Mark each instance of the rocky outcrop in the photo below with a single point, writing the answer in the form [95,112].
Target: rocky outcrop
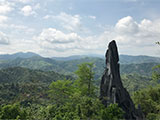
[112,90]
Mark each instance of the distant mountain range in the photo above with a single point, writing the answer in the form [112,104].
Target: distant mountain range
[67,65]
[124,59]
[75,57]
[17,55]
[128,59]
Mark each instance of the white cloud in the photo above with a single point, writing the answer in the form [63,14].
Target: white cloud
[54,39]
[47,17]
[139,34]
[92,17]
[136,38]
[4,40]
[17,28]
[55,36]
[37,6]
[3,19]
[132,38]
[5,7]
[24,1]
[22,29]
[126,25]
[27,10]
[67,21]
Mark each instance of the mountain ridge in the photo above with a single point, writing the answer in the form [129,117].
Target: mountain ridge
[18,54]
[124,59]
[128,64]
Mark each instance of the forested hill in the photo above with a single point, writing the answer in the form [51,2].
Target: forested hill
[17,55]
[128,59]
[25,75]
[69,66]
[124,59]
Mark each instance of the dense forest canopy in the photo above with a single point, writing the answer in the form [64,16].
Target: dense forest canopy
[46,94]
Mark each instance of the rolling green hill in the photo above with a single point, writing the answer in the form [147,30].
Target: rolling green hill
[25,75]
[17,55]
[134,82]
[128,59]
[47,64]
[26,85]
[68,67]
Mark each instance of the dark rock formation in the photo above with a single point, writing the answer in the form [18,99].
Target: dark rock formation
[112,90]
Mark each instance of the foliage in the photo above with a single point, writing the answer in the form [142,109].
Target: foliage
[75,101]
[156,74]
[86,108]
[21,75]
[12,112]
[135,82]
[143,69]
[25,93]
[112,112]
[149,101]
[85,81]
[70,99]
[61,91]
[129,64]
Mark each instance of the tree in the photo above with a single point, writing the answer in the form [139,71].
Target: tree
[156,71]
[61,91]
[12,112]
[149,100]
[76,100]
[85,79]
[156,74]
[112,112]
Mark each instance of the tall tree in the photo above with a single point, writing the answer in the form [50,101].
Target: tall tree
[61,91]
[85,79]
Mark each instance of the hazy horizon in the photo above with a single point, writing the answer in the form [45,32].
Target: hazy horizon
[65,28]
[89,55]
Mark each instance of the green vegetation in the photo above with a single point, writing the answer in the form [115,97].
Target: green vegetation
[85,81]
[135,82]
[26,85]
[12,112]
[77,100]
[21,75]
[156,74]
[149,100]
[34,91]
[66,99]
[141,65]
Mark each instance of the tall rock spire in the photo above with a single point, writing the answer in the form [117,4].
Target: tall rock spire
[111,89]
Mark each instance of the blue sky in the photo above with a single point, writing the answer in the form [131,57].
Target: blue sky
[72,27]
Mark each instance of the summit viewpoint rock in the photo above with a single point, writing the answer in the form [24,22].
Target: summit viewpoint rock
[111,88]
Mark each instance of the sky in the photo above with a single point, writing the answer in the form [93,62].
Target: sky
[56,28]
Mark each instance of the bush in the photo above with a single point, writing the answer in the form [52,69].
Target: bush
[12,112]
